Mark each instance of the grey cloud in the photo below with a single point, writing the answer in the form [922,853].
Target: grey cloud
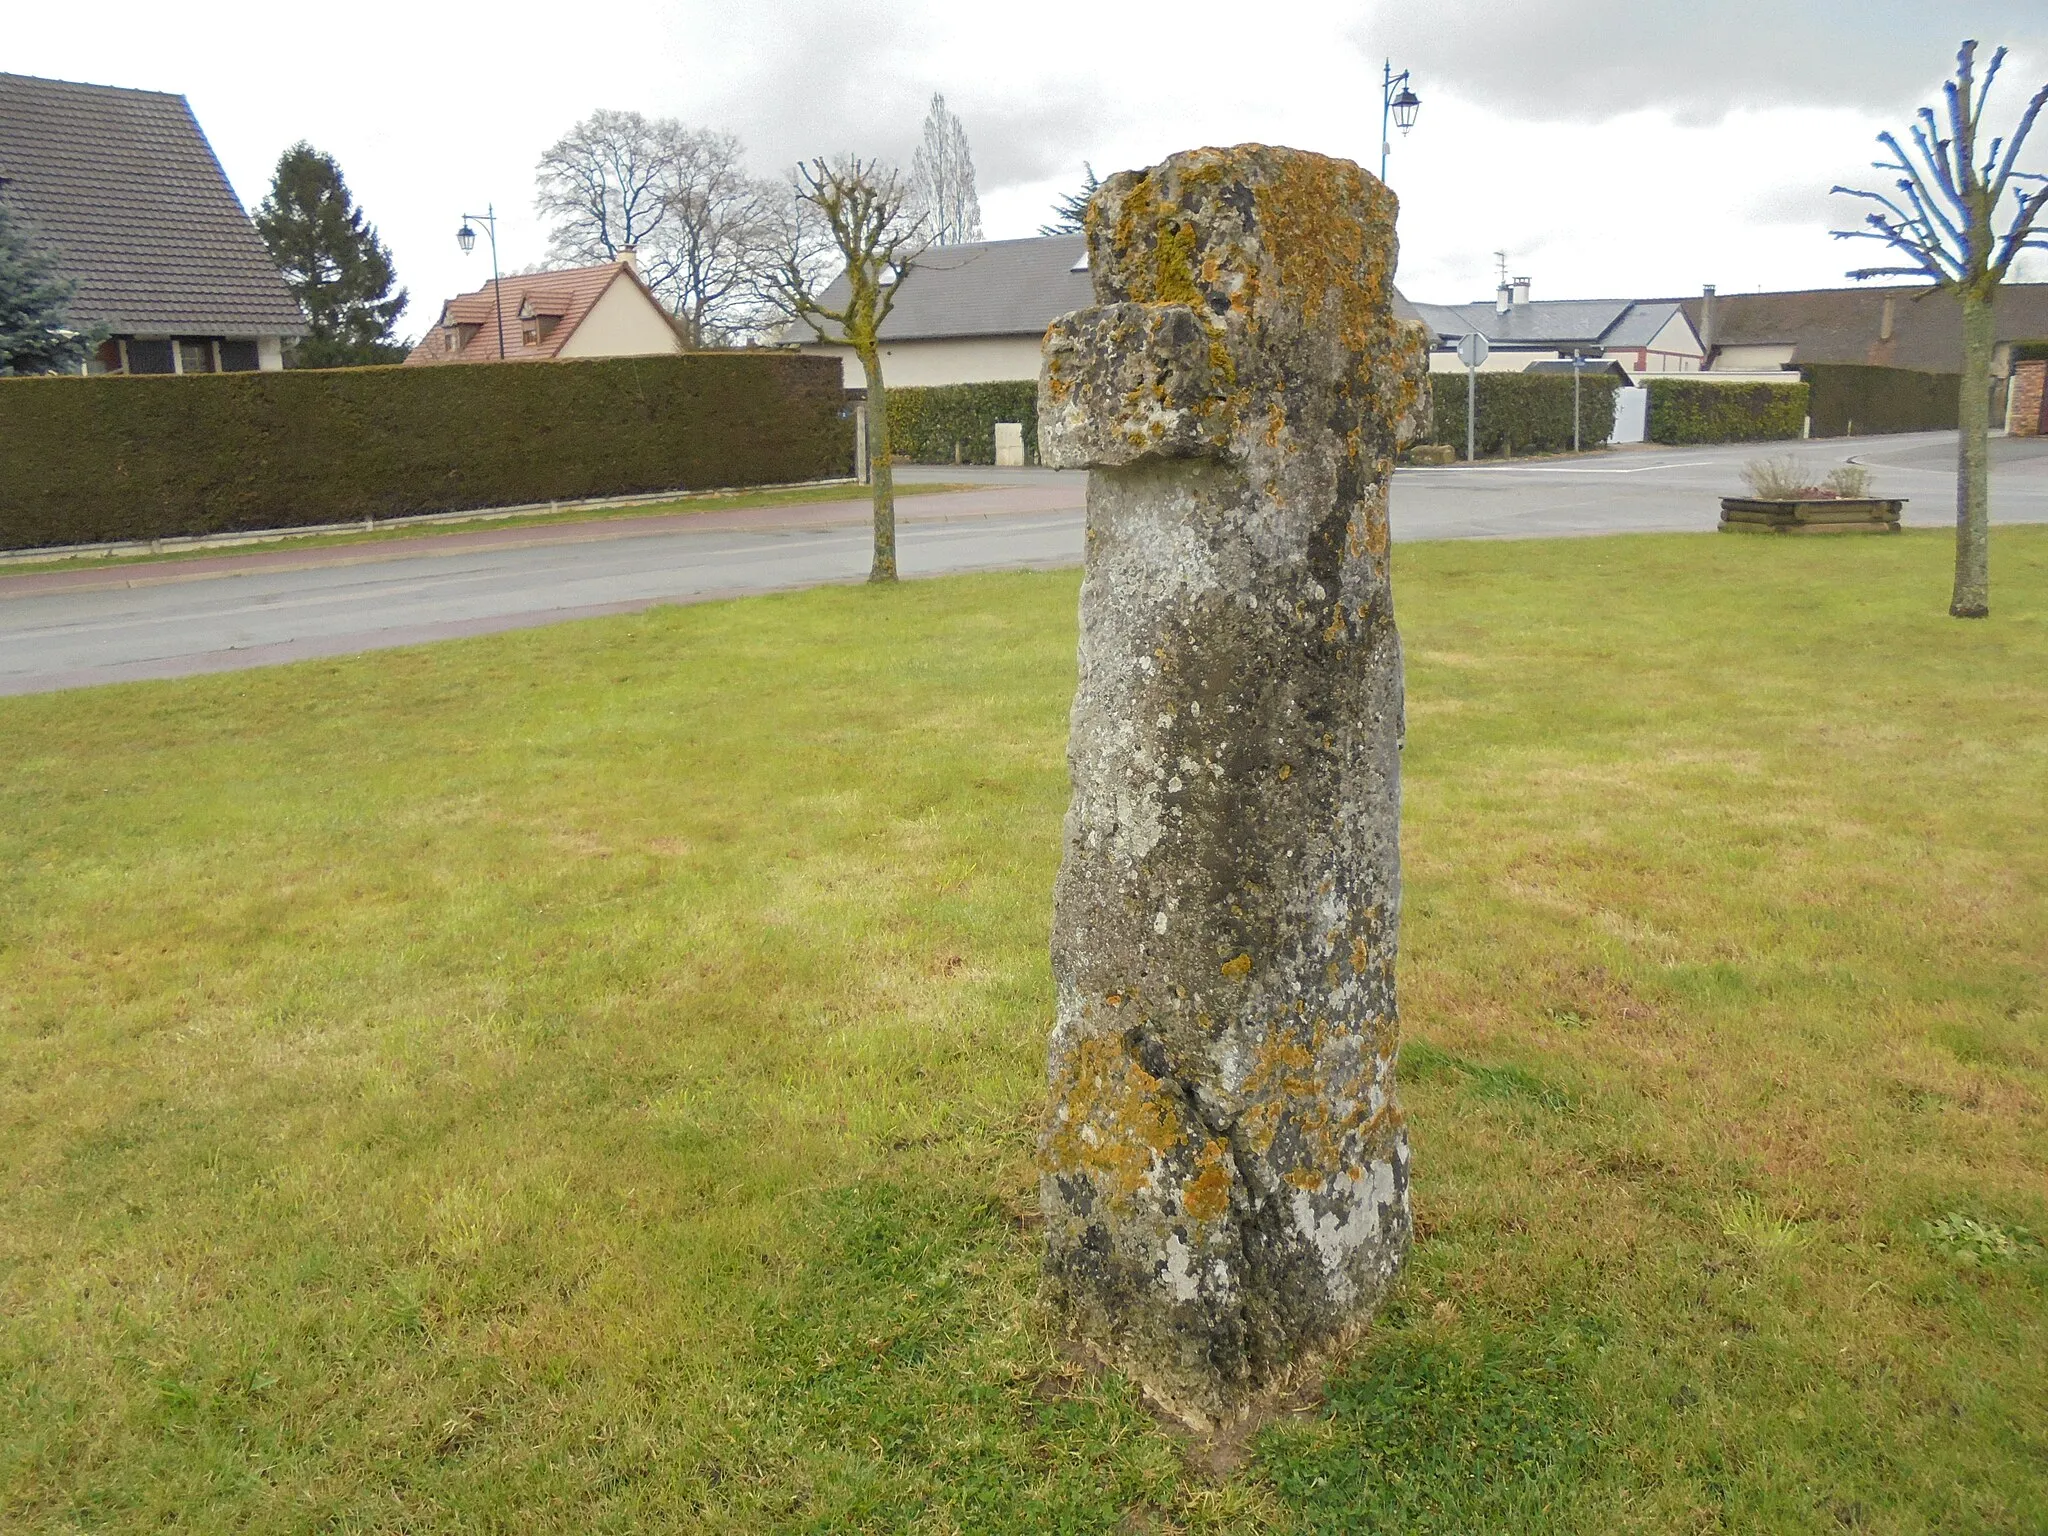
[1044,138]
[854,78]
[1589,60]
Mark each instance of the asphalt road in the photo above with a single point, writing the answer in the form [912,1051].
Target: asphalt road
[87,625]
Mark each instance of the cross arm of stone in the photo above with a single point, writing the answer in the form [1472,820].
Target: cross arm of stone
[1122,383]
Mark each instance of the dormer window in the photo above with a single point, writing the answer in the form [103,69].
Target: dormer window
[535,326]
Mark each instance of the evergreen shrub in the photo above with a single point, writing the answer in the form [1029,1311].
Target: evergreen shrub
[1881,399]
[1684,410]
[926,422]
[90,460]
[1522,412]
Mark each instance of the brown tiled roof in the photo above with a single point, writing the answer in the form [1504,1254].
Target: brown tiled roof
[1847,325]
[123,186]
[565,297]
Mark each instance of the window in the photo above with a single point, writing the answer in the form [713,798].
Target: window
[149,356]
[195,355]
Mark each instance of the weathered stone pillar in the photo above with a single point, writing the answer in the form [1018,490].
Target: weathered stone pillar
[1225,1172]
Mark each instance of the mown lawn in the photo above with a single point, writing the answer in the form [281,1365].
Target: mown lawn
[584,1079]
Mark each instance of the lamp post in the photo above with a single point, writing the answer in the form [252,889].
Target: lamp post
[1399,108]
[466,238]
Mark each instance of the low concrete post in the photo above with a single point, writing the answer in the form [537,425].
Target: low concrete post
[1224,1166]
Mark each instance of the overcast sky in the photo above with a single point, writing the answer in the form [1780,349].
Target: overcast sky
[1613,148]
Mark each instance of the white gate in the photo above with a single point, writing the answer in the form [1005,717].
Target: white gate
[1631,415]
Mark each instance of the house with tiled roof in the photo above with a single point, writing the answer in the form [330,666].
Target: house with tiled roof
[123,188]
[601,311]
[1654,336]
[974,313]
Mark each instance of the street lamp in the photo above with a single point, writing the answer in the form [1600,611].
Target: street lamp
[466,238]
[1399,107]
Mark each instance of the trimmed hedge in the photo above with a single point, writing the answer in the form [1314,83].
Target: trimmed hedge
[1522,412]
[1690,411]
[925,423]
[89,460]
[1881,399]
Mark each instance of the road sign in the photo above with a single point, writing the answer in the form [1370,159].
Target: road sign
[1472,350]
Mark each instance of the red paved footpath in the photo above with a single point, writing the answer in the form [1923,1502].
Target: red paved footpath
[936,507]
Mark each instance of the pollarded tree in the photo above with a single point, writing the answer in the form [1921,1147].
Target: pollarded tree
[1944,219]
[868,211]
[332,261]
[35,297]
[943,173]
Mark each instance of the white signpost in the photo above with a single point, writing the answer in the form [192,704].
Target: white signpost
[1472,350]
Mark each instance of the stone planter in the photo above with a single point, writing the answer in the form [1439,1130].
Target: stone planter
[1862,514]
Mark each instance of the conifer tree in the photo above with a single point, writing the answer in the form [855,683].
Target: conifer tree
[35,297]
[333,263]
[1070,213]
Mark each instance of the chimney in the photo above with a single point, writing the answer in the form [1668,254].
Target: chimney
[1503,297]
[1521,290]
[1707,324]
[629,257]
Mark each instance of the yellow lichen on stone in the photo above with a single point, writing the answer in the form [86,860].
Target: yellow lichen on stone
[1116,1120]
[1208,1192]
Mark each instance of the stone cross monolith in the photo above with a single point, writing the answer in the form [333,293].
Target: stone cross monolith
[1224,1166]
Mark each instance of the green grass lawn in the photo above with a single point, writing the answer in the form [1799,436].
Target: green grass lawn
[584,1079]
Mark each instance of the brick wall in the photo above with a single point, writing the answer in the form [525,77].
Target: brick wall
[2028,380]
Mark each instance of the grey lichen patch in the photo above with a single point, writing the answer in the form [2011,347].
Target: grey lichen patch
[1224,1164]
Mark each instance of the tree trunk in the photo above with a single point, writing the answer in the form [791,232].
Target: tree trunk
[883,475]
[1972,598]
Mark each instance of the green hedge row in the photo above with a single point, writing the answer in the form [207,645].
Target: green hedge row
[88,460]
[1691,411]
[1522,412]
[956,423]
[1880,399]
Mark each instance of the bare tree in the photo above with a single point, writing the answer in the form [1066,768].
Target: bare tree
[705,232]
[943,171]
[601,183]
[1944,220]
[720,239]
[867,208]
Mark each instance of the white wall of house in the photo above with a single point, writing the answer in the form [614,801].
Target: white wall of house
[1750,359]
[1499,360]
[623,322]
[1674,349]
[270,353]
[951,360]
[1749,376]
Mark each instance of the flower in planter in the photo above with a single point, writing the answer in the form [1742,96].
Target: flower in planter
[1786,479]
